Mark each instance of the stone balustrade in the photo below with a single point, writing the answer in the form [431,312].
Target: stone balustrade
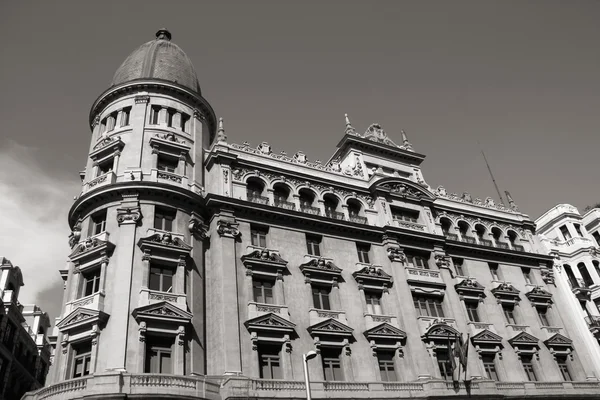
[425,276]
[168,177]
[94,301]
[373,320]
[258,309]
[148,297]
[316,316]
[102,180]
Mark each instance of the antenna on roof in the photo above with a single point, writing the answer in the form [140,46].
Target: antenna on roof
[491,174]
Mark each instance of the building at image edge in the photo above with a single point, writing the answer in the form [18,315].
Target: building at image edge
[201,268]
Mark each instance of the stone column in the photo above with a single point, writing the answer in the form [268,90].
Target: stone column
[103,265]
[179,352]
[336,301]
[286,356]
[176,120]
[179,284]
[163,116]
[116,158]
[278,292]
[296,200]
[182,164]
[146,268]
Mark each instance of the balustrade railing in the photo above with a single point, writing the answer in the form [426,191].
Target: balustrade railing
[485,242]
[310,210]
[157,380]
[358,219]
[288,205]
[451,236]
[349,386]
[334,214]
[258,199]
[469,239]
[502,245]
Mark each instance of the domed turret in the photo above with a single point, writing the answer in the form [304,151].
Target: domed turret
[158,59]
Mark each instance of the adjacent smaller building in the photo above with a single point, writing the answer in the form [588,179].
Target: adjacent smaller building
[574,242]
[24,348]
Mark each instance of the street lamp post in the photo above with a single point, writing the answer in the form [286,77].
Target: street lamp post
[308,356]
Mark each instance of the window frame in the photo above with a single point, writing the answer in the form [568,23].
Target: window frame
[495,271]
[528,368]
[167,163]
[269,356]
[374,307]
[330,359]
[161,345]
[563,367]
[542,313]
[313,245]
[90,275]
[161,277]
[489,366]
[259,285]
[98,219]
[363,250]
[411,258]
[459,266]
[258,236]
[387,366]
[166,216]
[321,292]
[509,313]
[472,308]
[84,356]
[564,230]
[428,304]
[527,275]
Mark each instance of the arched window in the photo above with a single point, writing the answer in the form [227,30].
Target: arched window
[331,205]
[355,211]
[281,194]
[254,190]
[499,238]
[570,276]
[514,241]
[307,199]
[583,271]
[481,234]
[447,229]
[596,266]
[465,232]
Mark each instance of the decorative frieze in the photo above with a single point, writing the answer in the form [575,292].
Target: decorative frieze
[142,99]
[466,198]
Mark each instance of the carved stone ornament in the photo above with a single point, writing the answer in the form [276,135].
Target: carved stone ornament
[142,331]
[265,255]
[167,239]
[548,276]
[227,229]
[75,235]
[442,261]
[402,189]
[128,215]
[198,228]
[376,133]
[143,99]
[396,254]
[169,136]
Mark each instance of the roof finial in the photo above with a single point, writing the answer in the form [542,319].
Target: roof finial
[163,34]
[349,128]
[221,137]
[405,142]
[511,202]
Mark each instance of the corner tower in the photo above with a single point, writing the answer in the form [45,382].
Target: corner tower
[136,244]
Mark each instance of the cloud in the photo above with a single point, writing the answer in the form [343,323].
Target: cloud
[33,224]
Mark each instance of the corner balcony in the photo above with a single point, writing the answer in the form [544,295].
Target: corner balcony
[113,385]
[373,320]
[426,276]
[94,301]
[148,297]
[168,177]
[258,309]
[315,316]
[102,180]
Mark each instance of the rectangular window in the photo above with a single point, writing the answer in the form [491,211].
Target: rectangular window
[263,291]
[564,369]
[373,302]
[565,232]
[98,223]
[163,218]
[527,362]
[167,164]
[270,366]
[578,229]
[472,311]
[90,282]
[313,245]
[154,115]
[405,215]
[509,314]
[185,122]
[82,359]
[459,266]
[489,365]
[125,116]
[527,276]
[387,369]
[258,236]
[332,365]
[363,252]
[596,236]
[543,316]
[111,121]
[417,261]
[158,355]
[105,167]
[170,116]
[494,271]
[444,364]
[321,297]
[428,306]
[161,278]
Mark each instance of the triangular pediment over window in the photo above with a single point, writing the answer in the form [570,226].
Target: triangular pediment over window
[524,338]
[470,288]
[264,262]
[373,276]
[558,340]
[91,248]
[403,188]
[163,311]
[486,337]
[330,327]
[440,331]
[385,331]
[82,317]
[506,292]
[539,296]
[270,322]
[165,242]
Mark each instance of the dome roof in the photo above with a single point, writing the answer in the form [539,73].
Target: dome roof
[158,59]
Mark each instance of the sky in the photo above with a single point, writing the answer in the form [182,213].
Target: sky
[516,78]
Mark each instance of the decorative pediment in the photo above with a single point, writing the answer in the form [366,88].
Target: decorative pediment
[402,188]
[439,331]
[385,331]
[264,257]
[90,248]
[470,288]
[162,312]
[106,146]
[322,269]
[505,292]
[330,327]
[373,276]
[558,341]
[169,142]
[486,337]
[539,296]
[376,133]
[524,339]
[82,317]
[164,241]
[270,322]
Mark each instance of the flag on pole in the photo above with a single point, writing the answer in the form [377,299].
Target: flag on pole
[461,350]
[451,359]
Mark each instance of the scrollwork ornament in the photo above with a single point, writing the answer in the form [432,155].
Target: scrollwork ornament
[128,215]
[396,254]
[197,228]
[227,229]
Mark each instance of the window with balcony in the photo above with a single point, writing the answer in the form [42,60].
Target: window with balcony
[373,302]
[444,364]
[428,306]
[509,314]
[570,276]
[596,236]
[527,276]
[258,236]
[332,364]
[313,245]
[90,282]
[363,250]
[354,212]
[578,229]
[125,116]
[154,115]
[82,359]
[281,194]
[269,360]
[542,313]
[401,214]
[472,311]
[307,198]
[564,368]
[159,350]
[166,163]
[565,232]
[527,362]
[163,218]
[321,295]
[105,167]
[494,271]
[489,365]
[161,278]
[583,271]
[263,291]
[417,261]
[254,190]
[330,204]
[459,266]
[387,368]
[98,223]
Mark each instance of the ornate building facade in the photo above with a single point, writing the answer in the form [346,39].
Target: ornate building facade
[206,269]
[24,347]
